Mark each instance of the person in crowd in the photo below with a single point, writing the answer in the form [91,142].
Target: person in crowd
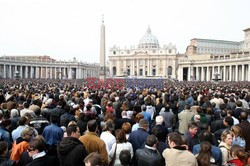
[178,154]
[121,144]
[52,134]
[191,135]
[228,123]
[150,109]
[93,143]
[245,128]
[23,123]
[21,144]
[238,138]
[125,158]
[82,123]
[184,119]
[225,145]
[27,109]
[137,138]
[138,117]
[70,150]
[124,119]
[107,135]
[93,159]
[239,156]
[159,124]
[209,137]
[126,127]
[145,114]
[4,133]
[149,156]
[238,109]
[36,150]
[38,122]
[4,159]
[168,118]
[204,158]
[67,116]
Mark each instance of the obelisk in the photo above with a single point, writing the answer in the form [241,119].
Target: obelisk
[102,73]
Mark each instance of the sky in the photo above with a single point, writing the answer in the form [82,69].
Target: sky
[64,29]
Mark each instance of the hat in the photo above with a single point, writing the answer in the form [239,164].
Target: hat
[143,123]
[159,119]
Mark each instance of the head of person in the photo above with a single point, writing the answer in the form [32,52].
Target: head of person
[23,121]
[3,148]
[193,128]
[174,139]
[92,126]
[227,137]
[138,117]
[54,118]
[237,131]
[6,123]
[73,131]
[143,123]
[244,115]
[159,119]
[27,133]
[93,159]
[109,125]
[228,121]
[143,108]
[237,152]
[206,135]
[125,157]
[120,136]
[205,154]
[151,141]
[36,145]
[126,127]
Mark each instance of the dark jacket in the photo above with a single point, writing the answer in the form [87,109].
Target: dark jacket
[192,141]
[137,138]
[4,161]
[148,157]
[245,127]
[44,161]
[71,152]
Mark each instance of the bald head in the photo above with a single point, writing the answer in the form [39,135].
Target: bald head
[243,115]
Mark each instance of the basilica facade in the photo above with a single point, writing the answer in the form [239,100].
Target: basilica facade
[204,60]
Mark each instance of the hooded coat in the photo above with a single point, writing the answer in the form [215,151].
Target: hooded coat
[71,152]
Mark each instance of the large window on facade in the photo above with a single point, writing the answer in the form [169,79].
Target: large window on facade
[154,72]
[141,72]
[169,70]
[114,71]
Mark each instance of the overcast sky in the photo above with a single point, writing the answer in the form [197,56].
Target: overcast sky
[64,29]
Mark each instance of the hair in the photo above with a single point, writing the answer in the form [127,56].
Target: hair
[126,127]
[192,125]
[25,104]
[158,133]
[71,128]
[206,136]
[238,103]
[138,117]
[54,118]
[240,153]
[229,120]
[237,131]
[22,121]
[225,133]
[120,136]
[109,125]
[176,138]
[244,115]
[94,159]
[125,157]
[3,147]
[38,143]
[151,140]
[27,131]
[92,125]
[205,154]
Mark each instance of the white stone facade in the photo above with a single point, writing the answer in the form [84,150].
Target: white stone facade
[36,67]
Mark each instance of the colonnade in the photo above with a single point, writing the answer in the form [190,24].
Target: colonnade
[46,71]
[232,72]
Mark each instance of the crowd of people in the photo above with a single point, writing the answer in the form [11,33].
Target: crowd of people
[66,124]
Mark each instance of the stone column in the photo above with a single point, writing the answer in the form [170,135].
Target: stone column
[236,73]
[208,74]
[243,73]
[230,73]
[202,73]
[26,72]
[4,71]
[144,68]
[189,74]
[248,74]
[10,72]
[149,68]
[224,73]
[138,68]
[213,72]
[70,73]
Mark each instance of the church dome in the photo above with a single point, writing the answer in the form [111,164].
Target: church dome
[148,40]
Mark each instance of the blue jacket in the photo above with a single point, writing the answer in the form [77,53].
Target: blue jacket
[137,138]
[52,134]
